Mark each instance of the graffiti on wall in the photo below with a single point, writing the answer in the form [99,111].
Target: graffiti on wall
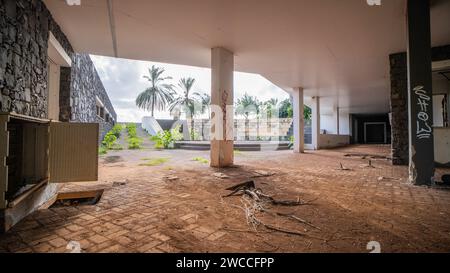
[424,129]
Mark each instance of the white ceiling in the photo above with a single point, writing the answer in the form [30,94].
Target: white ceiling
[335,49]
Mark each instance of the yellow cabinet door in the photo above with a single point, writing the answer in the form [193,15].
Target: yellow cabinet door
[73,152]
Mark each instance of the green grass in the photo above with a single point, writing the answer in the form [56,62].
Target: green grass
[116,147]
[201,160]
[155,161]
[102,150]
[237,152]
[134,143]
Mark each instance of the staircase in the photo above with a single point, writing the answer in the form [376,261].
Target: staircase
[248,146]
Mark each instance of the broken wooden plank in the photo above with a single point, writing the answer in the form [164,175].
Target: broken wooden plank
[80,194]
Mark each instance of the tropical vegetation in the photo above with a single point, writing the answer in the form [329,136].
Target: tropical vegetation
[159,94]
[188,102]
[166,139]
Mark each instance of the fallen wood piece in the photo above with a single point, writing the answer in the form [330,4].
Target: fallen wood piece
[262,173]
[253,194]
[289,203]
[291,232]
[246,185]
[80,194]
[298,219]
[240,187]
[369,165]
[343,168]
[119,183]
[364,156]
[171,177]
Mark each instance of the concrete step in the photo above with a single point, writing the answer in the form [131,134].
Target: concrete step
[204,146]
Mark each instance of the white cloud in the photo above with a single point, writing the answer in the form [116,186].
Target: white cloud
[123,80]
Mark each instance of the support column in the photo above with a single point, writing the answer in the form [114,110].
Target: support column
[299,121]
[222,117]
[337,120]
[315,120]
[421,146]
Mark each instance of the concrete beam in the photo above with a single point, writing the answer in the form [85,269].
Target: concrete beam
[222,113]
[299,121]
[421,144]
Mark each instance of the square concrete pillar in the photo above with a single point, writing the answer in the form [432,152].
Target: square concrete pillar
[336,113]
[315,126]
[299,121]
[222,112]
[421,142]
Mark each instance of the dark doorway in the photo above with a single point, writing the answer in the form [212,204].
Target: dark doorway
[375,132]
[370,129]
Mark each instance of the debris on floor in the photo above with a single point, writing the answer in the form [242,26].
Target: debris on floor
[170,177]
[262,173]
[342,168]
[381,178]
[256,204]
[220,175]
[365,156]
[119,183]
[368,165]
[65,199]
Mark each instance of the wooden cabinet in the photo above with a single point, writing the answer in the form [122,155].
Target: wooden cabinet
[33,150]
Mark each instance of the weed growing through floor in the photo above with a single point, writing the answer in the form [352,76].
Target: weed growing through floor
[155,161]
[134,142]
[116,147]
[117,130]
[102,150]
[201,160]
[109,141]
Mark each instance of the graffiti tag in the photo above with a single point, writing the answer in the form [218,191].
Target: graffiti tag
[424,129]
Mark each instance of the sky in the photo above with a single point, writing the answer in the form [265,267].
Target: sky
[123,80]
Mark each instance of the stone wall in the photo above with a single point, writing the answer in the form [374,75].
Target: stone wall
[399,102]
[24,33]
[80,85]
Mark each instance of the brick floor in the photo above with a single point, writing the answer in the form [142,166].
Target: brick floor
[152,214]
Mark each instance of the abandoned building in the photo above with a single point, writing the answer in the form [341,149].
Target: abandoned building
[375,75]
[41,79]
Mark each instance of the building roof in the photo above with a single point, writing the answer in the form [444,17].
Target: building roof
[334,49]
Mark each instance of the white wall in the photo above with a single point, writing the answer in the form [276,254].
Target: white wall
[328,123]
[442,145]
[332,141]
[344,122]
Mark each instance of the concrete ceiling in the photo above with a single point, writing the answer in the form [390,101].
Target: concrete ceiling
[335,49]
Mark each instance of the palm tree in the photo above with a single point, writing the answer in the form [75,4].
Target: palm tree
[186,101]
[159,94]
[246,106]
[269,106]
[205,100]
